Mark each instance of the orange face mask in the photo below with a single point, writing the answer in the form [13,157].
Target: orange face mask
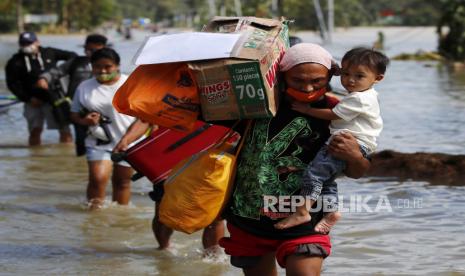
[304,96]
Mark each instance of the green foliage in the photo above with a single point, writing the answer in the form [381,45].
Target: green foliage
[7,15]
[452,43]
[87,14]
[302,12]
[421,12]
[84,14]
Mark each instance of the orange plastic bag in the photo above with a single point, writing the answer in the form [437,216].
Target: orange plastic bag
[163,94]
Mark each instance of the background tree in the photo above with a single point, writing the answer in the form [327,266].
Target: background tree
[7,15]
[87,14]
[452,41]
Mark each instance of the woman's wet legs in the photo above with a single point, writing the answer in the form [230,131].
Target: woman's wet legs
[297,265]
[161,232]
[121,181]
[99,175]
[266,266]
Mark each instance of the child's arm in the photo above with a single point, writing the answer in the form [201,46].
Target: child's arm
[321,113]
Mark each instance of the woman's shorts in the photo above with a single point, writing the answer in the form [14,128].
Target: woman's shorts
[94,154]
[246,249]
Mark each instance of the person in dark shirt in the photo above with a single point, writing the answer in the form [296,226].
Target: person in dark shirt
[77,69]
[22,74]
[269,174]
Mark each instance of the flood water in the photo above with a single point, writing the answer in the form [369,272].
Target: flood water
[46,229]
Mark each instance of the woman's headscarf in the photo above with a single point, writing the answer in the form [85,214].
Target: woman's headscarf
[305,53]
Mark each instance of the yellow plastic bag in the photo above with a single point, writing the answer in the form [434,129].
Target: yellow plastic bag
[162,94]
[198,188]
[187,206]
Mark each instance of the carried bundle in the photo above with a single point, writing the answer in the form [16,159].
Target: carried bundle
[229,71]
[162,94]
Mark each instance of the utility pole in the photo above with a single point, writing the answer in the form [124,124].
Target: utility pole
[223,9]
[212,8]
[238,7]
[64,15]
[19,16]
[330,20]
[274,8]
[321,20]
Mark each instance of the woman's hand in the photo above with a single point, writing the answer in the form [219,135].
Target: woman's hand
[344,146]
[42,83]
[290,169]
[92,118]
[122,145]
[134,132]
[299,107]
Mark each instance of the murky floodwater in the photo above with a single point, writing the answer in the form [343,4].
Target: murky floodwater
[416,230]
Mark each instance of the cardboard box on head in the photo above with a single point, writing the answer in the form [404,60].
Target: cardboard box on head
[244,84]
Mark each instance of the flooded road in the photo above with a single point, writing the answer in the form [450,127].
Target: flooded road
[416,230]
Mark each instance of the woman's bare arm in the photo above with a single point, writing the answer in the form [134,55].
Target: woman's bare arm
[134,132]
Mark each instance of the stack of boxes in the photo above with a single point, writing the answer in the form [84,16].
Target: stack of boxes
[238,82]
[243,85]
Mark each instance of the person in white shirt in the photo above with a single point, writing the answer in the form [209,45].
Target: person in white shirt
[357,113]
[92,106]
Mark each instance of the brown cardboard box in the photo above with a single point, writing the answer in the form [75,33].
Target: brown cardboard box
[244,84]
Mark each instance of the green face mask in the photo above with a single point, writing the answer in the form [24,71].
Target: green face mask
[107,77]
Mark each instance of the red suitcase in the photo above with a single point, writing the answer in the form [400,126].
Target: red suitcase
[156,155]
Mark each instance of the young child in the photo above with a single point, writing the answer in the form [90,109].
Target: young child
[357,113]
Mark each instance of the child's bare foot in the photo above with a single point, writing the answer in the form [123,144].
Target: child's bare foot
[293,220]
[327,222]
